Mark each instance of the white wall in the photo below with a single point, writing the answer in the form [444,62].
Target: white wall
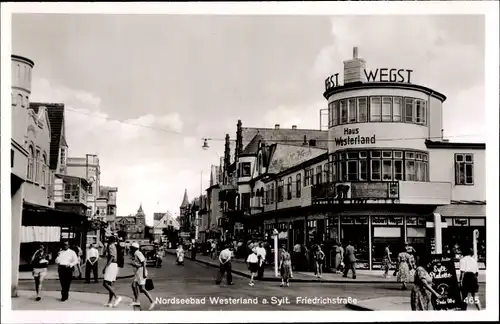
[442,169]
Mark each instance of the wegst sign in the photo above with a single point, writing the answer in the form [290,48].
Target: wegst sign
[376,75]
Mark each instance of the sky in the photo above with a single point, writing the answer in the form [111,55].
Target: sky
[141,91]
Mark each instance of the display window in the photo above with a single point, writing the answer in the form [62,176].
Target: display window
[459,236]
[356,231]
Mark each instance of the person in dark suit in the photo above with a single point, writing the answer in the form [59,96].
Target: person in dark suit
[350,260]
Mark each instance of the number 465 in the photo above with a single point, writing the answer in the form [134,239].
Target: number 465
[471,300]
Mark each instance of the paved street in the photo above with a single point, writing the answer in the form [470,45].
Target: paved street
[197,281]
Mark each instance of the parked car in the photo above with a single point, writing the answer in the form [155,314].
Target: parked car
[151,254]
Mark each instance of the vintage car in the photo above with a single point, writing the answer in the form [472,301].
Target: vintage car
[151,254]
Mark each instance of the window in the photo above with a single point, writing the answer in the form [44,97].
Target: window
[44,170]
[335,113]
[298,185]
[420,172]
[398,154]
[351,104]
[343,111]
[387,170]
[246,168]
[37,167]
[375,170]
[330,114]
[20,101]
[420,112]
[352,170]
[326,173]
[289,188]
[375,109]
[30,163]
[362,110]
[319,174]
[333,170]
[410,170]
[387,109]
[271,195]
[267,194]
[398,170]
[409,103]
[63,156]
[307,177]
[363,170]
[396,109]
[387,154]
[464,169]
[375,154]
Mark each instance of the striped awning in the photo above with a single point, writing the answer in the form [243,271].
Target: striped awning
[40,234]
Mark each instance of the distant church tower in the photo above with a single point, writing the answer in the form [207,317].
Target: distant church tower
[184,212]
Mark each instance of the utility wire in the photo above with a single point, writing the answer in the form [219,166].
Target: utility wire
[271,140]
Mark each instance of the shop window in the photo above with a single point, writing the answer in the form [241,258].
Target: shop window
[298,184]
[410,170]
[289,188]
[396,109]
[246,168]
[351,106]
[375,109]
[464,169]
[375,170]
[387,109]
[387,170]
[343,111]
[362,110]
[352,170]
[319,174]
[420,112]
[409,105]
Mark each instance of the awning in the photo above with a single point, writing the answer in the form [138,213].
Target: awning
[36,215]
[40,234]
[462,210]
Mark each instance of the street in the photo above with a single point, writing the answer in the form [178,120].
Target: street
[196,281]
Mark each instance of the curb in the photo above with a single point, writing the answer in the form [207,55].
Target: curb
[357,307]
[277,279]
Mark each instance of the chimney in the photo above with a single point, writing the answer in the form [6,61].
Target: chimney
[277,126]
[294,126]
[354,69]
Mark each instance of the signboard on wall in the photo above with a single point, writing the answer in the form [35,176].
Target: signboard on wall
[460,222]
[421,221]
[395,220]
[361,220]
[411,221]
[348,220]
[374,190]
[379,220]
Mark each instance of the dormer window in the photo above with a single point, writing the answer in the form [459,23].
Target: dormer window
[246,169]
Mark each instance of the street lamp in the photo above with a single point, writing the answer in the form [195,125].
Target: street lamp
[205,144]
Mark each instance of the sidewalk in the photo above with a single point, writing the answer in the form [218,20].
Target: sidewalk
[126,272]
[79,301]
[239,267]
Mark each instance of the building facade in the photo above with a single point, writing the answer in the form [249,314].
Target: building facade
[132,226]
[383,168]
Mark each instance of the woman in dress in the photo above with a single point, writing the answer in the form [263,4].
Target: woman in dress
[39,261]
[422,290]
[339,257]
[386,260]
[403,268]
[285,267]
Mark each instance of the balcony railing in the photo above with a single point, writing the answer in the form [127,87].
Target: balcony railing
[403,192]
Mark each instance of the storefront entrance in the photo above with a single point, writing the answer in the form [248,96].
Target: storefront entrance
[354,229]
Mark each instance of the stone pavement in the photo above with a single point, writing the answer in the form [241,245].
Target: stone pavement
[126,272]
[78,301]
[362,276]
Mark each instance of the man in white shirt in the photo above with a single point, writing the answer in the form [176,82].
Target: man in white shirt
[225,266]
[91,264]
[469,271]
[66,261]
[261,254]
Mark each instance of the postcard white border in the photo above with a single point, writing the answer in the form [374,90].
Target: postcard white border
[488,8]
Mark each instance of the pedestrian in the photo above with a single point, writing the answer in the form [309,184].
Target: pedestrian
[213,250]
[140,276]
[91,264]
[319,259]
[39,261]
[193,250]
[225,266]
[386,260]
[339,258]
[110,272]
[253,265]
[422,290]
[180,254]
[469,272]
[261,254]
[66,261]
[79,253]
[306,258]
[285,267]
[403,274]
[296,256]
[350,260]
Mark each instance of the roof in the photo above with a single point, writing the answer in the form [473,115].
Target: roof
[185,200]
[462,210]
[158,216]
[22,58]
[287,156]
[377,85]
[285,136]
[253,147]
[55,113]
[140,211]
[455,145]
